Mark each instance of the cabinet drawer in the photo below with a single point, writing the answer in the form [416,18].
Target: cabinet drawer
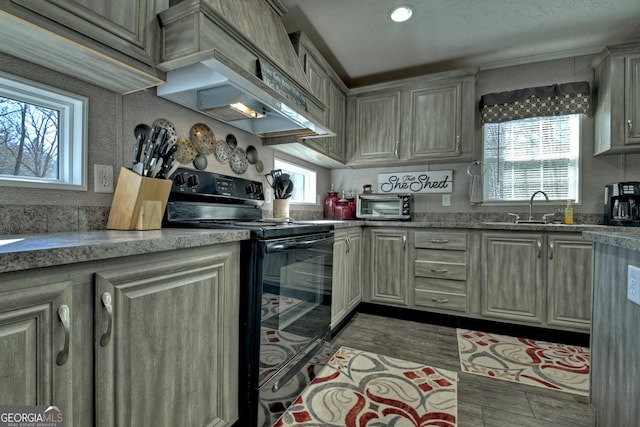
[440,240]
[438,255]
[440,285]
[441,270]
[445,301]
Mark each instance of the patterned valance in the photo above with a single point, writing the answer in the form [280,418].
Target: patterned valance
[554,100]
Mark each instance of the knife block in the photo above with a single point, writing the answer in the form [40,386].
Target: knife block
[138,202]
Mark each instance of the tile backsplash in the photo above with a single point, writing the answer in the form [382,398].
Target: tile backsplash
[32,219]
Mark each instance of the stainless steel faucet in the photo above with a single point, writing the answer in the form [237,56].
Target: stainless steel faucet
[531,202]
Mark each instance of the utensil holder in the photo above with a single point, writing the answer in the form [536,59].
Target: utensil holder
[281,208]
[138,202]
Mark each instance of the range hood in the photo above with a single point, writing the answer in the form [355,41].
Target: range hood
[221,67]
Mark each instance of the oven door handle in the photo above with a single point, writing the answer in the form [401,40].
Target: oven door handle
[297,367]
[292,244]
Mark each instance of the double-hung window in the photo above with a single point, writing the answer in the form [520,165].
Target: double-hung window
[304,181]
[43,141]
[531,142]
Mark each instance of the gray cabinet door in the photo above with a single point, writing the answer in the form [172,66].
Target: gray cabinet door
[388,267]
[120,24]
[377,126]
[434,121]
[167,341]
[354,275]
[339,279]
[35,353]
[337,110]
[512,285]
[569,281]
[632,98]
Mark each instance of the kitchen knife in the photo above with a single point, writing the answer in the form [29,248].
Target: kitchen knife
[137,148]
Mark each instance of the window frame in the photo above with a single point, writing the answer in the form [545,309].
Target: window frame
[524,201]
[311,186]
[72,130]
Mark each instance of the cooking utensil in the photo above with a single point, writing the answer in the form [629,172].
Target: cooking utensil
[238,161]
[274,174]
[232,141]
[252,155]
[200,162]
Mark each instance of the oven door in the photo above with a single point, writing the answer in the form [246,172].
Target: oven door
[296,298]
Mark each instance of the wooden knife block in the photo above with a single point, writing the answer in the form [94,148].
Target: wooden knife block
[138,202]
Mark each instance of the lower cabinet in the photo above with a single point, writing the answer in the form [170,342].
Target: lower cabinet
[347,284]
[387,266]
[36,360]
[542,279]
[166,341]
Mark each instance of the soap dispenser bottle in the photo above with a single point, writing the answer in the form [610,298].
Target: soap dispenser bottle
[568,213]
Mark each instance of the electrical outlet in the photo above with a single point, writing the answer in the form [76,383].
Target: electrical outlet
[633,284]
[103,178]
[446,200]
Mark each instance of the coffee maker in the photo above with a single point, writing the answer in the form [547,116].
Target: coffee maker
[622,204]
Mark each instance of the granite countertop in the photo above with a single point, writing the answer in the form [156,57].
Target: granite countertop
[23,252]
[479,225]
[629,239]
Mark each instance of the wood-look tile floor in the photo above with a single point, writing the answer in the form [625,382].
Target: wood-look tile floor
[482,402]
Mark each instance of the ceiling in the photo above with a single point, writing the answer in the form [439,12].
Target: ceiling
[364,46]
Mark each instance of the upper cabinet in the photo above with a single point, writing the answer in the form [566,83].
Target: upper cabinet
[328,88]
[616,90]
[428,118]
[110,44]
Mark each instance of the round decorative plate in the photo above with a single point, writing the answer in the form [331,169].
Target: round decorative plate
[186,151]
[238,161]
[259,166]
[172,135]
[223,151]
[203,138]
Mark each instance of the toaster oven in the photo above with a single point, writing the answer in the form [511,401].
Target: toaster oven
[384,206]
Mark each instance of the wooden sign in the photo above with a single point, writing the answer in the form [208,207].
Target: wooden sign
[276,81]
[416,182]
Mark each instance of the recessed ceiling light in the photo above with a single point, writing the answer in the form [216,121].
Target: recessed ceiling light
[401,13]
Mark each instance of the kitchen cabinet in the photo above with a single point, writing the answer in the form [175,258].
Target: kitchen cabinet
[616,89]
[387,266]
[36,359]
[347,285]
[330,90]
[542,278]
[512,282]
[441,271]
[569,281]
[168,329]
[110,44]
[428,118]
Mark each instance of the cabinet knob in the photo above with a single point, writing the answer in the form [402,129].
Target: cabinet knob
[550,250]
[395,152]
[63,314]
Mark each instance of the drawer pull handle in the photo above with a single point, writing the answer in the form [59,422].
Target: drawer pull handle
[630,126]
[440,300]
[63,314]
[439,270]
[439,240]
[106,301]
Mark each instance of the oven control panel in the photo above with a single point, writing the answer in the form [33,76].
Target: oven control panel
[202,183]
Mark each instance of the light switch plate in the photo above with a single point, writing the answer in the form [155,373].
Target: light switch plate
[633,284]
[103,178]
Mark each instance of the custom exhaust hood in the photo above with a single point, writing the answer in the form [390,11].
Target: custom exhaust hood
[232,60]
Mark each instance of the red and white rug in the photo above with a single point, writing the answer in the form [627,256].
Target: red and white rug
[358,388]
[542,364]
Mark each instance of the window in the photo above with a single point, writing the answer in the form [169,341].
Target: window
[42,136]
[527,155]
[304,181]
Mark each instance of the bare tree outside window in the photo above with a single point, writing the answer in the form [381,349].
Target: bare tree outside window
[29,140]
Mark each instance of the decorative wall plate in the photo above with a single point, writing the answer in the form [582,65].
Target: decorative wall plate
[172,135]
[203,138]
[223,151]
[238,161]
[186,151]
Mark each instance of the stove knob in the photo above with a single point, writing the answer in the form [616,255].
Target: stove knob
[179,179]
[193,181]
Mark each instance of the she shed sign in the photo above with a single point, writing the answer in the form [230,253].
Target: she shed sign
[416,182]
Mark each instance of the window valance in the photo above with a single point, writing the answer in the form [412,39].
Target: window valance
[542,101]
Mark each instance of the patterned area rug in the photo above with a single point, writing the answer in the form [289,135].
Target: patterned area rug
[358,388]
[542,364]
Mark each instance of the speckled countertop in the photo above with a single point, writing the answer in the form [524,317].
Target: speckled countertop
[629,239]
[23,252]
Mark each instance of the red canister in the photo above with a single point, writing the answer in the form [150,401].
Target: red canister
[330,203]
